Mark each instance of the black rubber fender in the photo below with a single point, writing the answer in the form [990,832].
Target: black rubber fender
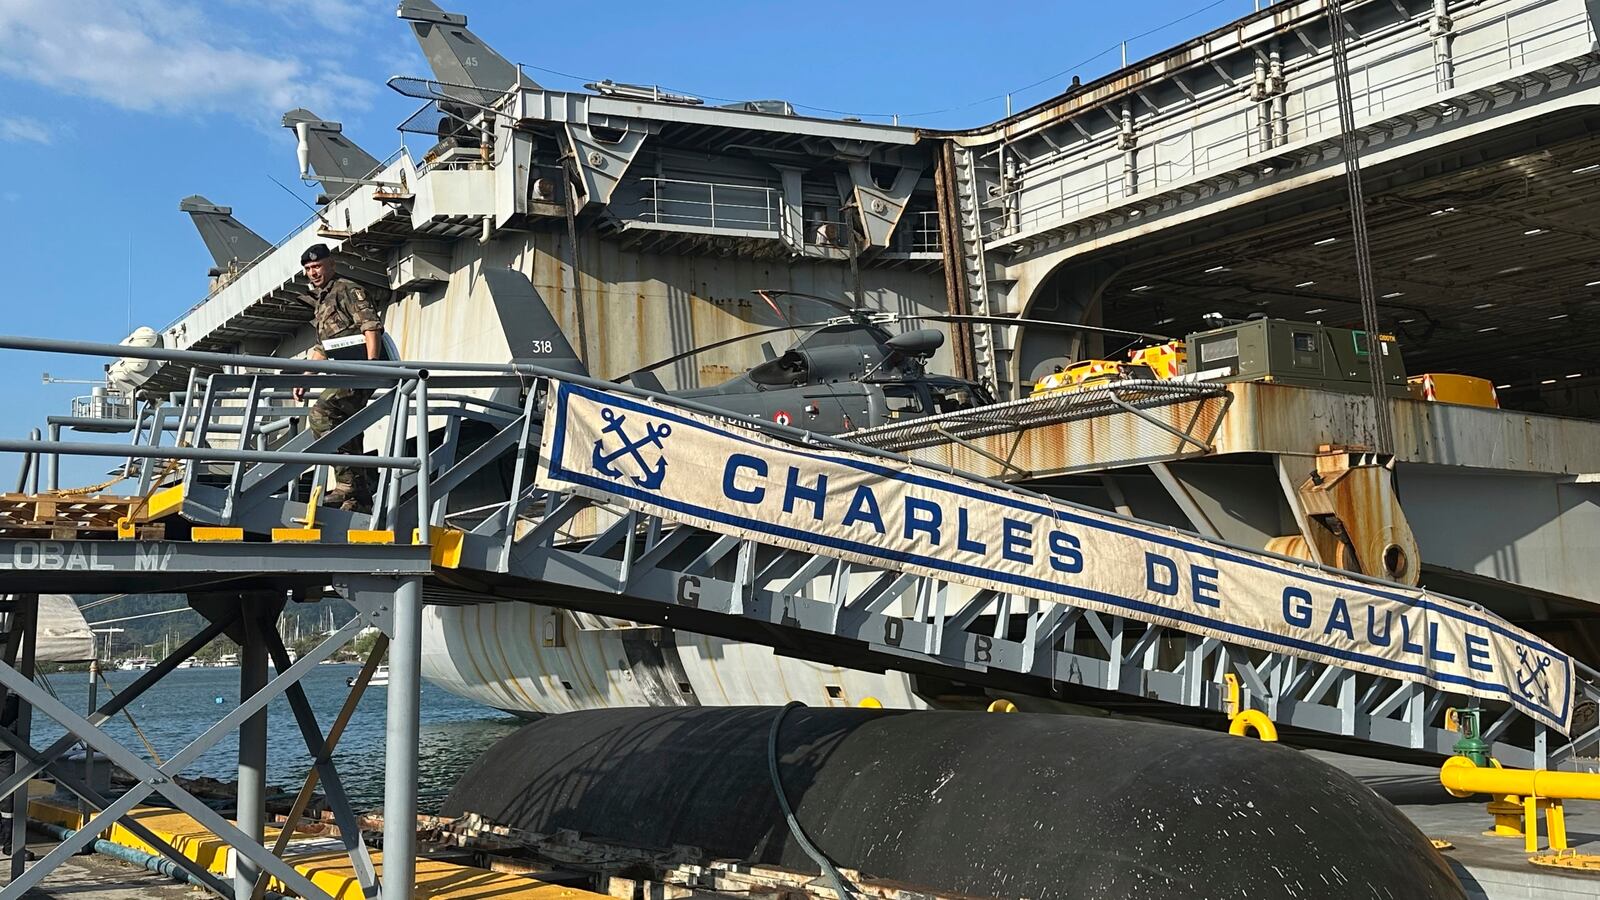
[986,804]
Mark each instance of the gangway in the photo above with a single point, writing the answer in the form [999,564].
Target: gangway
[504,482]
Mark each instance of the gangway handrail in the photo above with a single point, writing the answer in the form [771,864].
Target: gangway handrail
[495,543]
[202,357]
[529,372]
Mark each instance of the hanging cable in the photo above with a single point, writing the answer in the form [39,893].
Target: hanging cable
[569,167]
[840,886]
[1350,149]
[163,612]
[103,600]
[149,747]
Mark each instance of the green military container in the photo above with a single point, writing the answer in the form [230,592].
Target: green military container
[1299,353]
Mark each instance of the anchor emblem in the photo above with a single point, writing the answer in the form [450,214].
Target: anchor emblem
[1531,673]
[651,475]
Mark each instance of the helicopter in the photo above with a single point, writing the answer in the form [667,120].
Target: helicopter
[848,372]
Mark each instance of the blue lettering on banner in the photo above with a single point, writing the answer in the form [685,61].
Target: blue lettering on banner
[923,516]
[1433,645]
[1066,554]
[1037,547]
[1478,653]
[731,490]
[964,543]
[1166,585]
[1380,639]
[793,490]
[1016,540]
[1297,607]
[1339,619]
[1203,584]
[1405,636]
[864,508]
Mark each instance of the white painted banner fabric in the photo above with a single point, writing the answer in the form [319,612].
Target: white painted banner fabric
[694,469]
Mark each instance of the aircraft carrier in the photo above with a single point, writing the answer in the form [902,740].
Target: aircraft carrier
[1202,180]
[1359,510]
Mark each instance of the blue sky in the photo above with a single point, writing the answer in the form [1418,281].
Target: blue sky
[113,110]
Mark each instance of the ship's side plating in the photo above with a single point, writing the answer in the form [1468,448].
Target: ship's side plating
[524,658]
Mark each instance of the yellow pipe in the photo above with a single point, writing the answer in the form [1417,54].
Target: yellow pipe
[1253,720]
[1463,779]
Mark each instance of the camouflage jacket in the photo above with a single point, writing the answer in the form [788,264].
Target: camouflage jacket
[342,308]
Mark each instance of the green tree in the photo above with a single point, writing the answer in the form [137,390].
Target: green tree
[362,645]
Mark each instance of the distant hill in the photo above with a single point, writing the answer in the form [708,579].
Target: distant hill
[145,636]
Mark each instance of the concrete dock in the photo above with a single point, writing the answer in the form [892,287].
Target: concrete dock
[328,869]
[1491,868]
[1494,868]
[96,877]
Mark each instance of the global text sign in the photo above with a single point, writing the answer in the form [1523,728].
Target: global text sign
[692,469]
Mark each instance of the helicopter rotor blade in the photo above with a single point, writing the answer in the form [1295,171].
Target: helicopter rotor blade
[888,318]
[840,305]
[1043,323]
[712,346]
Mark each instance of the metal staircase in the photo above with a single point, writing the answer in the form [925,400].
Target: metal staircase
[986,338]
[497,535]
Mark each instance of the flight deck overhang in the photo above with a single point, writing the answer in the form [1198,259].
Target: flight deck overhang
[748,194]
[1244,35]
[408,202]
[567,107]
[1192,132]
[1229,145]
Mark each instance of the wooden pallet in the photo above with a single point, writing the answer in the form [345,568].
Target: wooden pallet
[57,517]
[633,873]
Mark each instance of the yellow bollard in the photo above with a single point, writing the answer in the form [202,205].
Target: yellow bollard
[1002,705]
[1253,720]
[870,703]
[1243,721]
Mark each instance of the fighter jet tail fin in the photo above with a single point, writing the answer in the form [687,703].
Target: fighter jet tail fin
[531,330]
[456,55]
[331,154]
[230,243]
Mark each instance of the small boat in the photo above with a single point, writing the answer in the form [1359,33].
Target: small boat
[136,664]
[380,678]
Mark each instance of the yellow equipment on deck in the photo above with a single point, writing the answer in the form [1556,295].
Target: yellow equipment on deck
[1446,387]
[1165,361]
[1088,374]
[1533,789]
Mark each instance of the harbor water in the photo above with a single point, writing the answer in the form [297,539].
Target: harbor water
[454,730]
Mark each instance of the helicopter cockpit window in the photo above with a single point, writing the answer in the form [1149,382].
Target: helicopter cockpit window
[952,398]
[902,401]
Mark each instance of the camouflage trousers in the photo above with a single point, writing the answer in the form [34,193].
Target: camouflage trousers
[331,408]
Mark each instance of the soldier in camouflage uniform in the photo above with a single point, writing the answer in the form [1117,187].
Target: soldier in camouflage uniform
[340,308]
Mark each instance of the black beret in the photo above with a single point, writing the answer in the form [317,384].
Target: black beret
[314,253]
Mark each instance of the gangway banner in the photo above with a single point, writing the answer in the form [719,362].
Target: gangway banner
[703,472]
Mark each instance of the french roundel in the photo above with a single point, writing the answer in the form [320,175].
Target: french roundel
[782,417]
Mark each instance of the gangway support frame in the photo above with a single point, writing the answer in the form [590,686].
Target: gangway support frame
[375,573]
[603,557]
